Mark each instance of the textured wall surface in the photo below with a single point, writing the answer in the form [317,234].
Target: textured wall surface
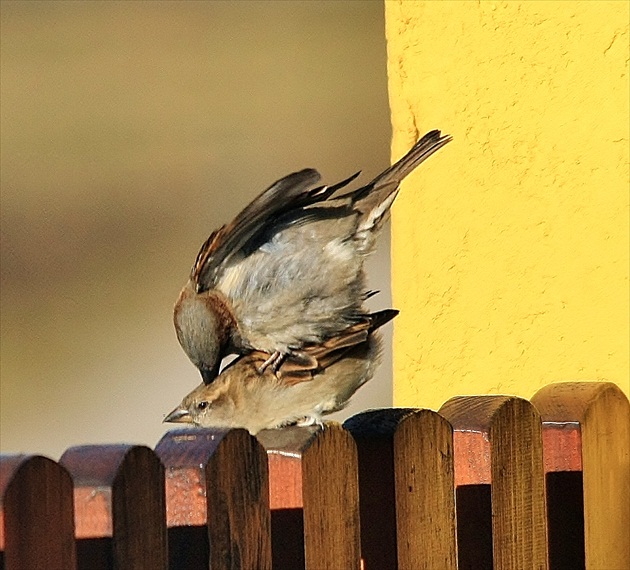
[510,247]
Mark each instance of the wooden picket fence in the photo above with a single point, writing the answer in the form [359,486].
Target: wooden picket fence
[488,482]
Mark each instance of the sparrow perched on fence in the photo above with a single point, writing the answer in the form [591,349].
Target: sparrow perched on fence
[288,270]
[242,396]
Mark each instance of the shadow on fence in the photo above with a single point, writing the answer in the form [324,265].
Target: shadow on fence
[488,482]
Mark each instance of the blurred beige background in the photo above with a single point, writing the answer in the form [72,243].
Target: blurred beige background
[129,131]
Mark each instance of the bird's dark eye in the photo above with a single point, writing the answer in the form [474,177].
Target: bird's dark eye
[202,405]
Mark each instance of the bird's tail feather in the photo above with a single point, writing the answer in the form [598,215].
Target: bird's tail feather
[375,199]
[379,318]
[419,152]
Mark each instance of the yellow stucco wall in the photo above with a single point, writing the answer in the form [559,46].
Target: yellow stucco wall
[510,247]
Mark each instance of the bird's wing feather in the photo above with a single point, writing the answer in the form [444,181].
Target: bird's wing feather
[290,193]
[301,280]
[374,200]
[325,354]
[291,263]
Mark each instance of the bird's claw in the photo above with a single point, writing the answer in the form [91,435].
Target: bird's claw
[274,361]
[311,421]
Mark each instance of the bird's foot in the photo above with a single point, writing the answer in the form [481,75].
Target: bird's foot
[275,361]
[308,421]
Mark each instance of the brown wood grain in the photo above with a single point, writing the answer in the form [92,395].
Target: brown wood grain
[36,514]
[377,494]
[509,429]
[425,494]
[329,492]
[597,414]
[239,520]
[119,493]
[217,478]
[406,489]
[373,432]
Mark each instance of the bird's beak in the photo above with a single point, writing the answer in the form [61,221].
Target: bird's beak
[179,415]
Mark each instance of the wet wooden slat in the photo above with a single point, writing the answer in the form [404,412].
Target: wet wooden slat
[319,468]
[406,461]
[498,441]
[119,493]
[587,447]
[36,514]
[218,477]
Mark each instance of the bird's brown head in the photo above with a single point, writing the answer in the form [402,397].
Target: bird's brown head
[204,323]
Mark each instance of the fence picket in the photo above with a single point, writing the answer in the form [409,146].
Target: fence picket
[489,482]
[220,476]
[319,466]
[498,441]
[119,506]
[185,454]
[406,488]
[586,429]
[36,514]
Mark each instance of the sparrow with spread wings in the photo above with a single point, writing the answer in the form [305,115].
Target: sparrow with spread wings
[287,272]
